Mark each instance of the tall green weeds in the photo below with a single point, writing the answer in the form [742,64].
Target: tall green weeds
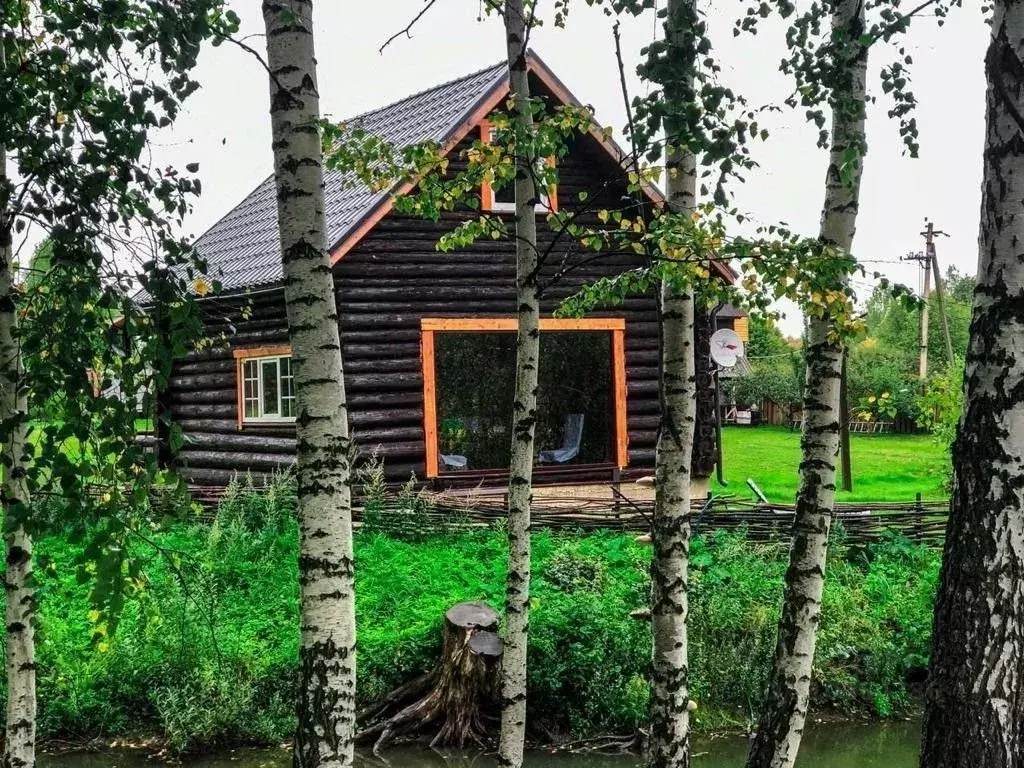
[213,659]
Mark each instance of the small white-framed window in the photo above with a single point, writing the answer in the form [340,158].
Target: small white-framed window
[503,200]
[268,389]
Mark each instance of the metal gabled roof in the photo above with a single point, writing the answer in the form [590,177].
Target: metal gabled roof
[242,250]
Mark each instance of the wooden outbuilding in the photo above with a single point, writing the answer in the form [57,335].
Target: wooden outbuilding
[427,336]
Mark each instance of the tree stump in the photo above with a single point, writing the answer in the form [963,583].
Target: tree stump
[458,696]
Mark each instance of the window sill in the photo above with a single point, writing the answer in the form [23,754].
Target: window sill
[511,208]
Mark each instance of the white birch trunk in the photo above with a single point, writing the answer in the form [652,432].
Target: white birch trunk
[20,605]
[669,743]
[524,413]
[974,708]
[326,706]
[781,725]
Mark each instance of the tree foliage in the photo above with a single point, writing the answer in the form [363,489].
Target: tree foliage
[84,87]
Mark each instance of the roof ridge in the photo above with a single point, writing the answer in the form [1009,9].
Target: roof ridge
[499,64]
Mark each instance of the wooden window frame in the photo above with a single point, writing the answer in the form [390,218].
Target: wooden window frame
[257,353]
[548,203]
[429,326]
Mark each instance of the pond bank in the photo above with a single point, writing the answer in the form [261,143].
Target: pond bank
[864,745]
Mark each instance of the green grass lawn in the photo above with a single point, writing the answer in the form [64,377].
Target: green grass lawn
[885,467]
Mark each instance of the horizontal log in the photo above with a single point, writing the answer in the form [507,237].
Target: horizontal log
[390,451]
[383,366]
[204,381]
[217,365]
[643,405]
[392,416]
[641,457]
[209,476]
[377,400]
[382,349]
[641,388]
[206,396]
[388,382]
[375,435]
[235,460]
[357,336]
[640,357]
[244,440]
[216,426]
[258,336]
[204,411]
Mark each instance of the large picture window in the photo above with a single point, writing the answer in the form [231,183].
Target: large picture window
[266,385]
[469,381]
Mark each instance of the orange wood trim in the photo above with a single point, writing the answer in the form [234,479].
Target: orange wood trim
[486,194]
[429,402]
[488,105]
[248,352]
[241,354]
[619,385]
[481,324]
[240,392]
[552,189]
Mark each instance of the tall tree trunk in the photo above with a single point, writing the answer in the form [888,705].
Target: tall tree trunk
[326,705]
[669,745]
[524,410]
[20,648]
[781,725]
[974,709]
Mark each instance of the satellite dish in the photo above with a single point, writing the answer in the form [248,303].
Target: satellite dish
[726,347]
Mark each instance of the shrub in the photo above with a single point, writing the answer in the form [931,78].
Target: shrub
[217,662]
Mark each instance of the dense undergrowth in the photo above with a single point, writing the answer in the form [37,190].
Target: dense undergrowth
[208,657]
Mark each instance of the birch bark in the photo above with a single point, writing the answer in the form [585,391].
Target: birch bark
[326,701]
[780,727]
[974,708]
[669,745]
[20,649]
[524,412]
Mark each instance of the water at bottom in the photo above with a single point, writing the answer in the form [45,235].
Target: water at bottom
[874,745]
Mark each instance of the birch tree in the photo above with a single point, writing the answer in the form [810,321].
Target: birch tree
[20,651]
[670,531]
[326,705]
[974,707]
[781,724]
[524,406]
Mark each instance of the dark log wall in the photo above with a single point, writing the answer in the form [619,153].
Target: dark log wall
[395,277]
[203,394]
[704,437]
[391,280]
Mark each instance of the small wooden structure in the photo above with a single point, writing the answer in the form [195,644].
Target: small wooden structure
[400,301]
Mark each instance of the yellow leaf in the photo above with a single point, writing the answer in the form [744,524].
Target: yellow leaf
[603,215]
[60,118]
[201,287]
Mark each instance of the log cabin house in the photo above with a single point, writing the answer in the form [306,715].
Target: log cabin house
[428,337]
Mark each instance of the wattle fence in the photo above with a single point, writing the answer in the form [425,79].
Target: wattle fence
[920,521]
[923,522]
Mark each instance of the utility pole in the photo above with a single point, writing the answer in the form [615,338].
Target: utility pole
[930,234]
[844,429]
[929,260]
[923,365]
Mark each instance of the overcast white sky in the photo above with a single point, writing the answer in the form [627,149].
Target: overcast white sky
[226,127]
